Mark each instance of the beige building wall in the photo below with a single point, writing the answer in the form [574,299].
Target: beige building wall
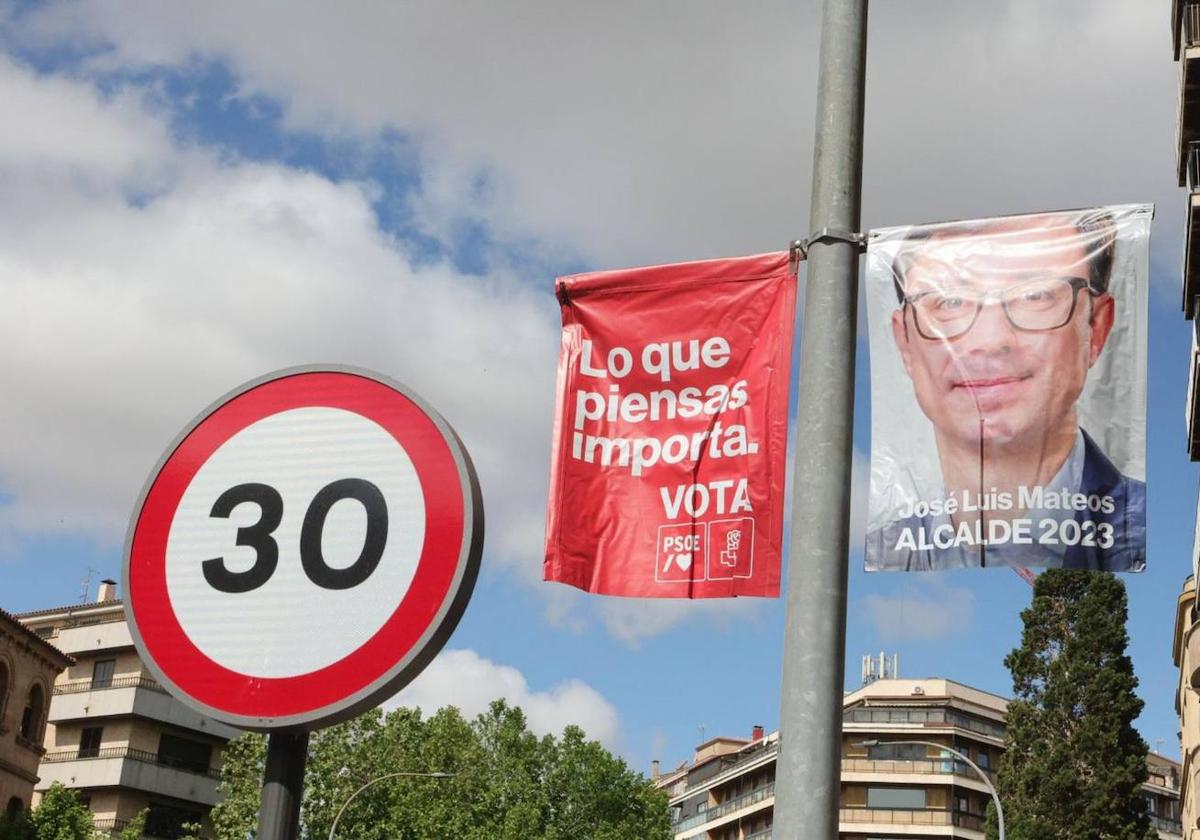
[1186,653]
[28,669]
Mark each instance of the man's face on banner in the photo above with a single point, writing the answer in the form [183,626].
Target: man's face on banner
[999,328]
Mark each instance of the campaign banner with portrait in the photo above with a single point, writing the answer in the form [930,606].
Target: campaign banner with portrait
[1008,392]
[670,432]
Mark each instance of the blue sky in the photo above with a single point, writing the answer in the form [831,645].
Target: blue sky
[196,194]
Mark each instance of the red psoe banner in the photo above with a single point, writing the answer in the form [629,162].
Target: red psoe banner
[670,432]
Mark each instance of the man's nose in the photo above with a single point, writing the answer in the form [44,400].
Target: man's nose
[992,332]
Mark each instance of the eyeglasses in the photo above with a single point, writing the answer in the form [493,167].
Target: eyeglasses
[1033,306]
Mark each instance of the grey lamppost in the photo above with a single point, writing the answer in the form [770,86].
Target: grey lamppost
[341,810]
[988,782]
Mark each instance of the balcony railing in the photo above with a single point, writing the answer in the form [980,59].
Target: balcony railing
[132,754]
[765,834]
[731,770]
[1166,825]
[890,816]
[727,807]
[111,824]
[923,718]
[940,766]
[135,681]
[1191,25]
[1193,163]
[115,826]
[1193,393]
[52,631]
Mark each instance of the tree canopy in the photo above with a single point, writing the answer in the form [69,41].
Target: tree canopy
[1073,764]
[504,782]
[61,815]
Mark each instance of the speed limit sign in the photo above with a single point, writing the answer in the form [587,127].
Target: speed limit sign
[303,549]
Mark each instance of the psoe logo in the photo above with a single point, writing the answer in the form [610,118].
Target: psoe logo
[681,553]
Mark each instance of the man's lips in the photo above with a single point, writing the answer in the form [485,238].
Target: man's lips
[985,383]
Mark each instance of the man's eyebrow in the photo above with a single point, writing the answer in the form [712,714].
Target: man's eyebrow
[946,277]
[922,280]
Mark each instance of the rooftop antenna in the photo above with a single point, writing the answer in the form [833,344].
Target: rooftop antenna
[880,669]
[85,585]
[702,731]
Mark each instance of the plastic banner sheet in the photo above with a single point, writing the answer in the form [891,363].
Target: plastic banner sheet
[1008,392]
[667,472]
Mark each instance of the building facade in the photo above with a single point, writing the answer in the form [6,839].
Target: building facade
[888,789]
[28,669]
[1186,653]
[1185,30]
[114,734]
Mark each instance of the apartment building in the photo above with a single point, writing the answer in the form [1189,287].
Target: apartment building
[28,668]
[114,734]
[888,789]
[1186,654]
[1185,30]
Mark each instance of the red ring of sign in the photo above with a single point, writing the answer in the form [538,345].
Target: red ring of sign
[217,686]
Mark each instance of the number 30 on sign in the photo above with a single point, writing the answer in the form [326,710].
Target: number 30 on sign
[303,549]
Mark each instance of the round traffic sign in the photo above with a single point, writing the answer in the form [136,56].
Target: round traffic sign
[303,549]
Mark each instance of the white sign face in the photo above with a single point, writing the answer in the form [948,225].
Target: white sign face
[275,453]
[303,550]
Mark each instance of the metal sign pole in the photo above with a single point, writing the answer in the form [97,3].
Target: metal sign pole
[283,785]
[814,652]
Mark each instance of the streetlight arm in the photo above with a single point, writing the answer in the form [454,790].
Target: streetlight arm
[350,799]
[988,782]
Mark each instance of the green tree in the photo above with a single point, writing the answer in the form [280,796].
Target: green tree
[15,828]
[506,782]
[1073,764]
[243,760]
[133,831]
[62,816]
[59,816]
[191,831]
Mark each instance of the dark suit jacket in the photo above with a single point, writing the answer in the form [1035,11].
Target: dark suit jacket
[1100,478]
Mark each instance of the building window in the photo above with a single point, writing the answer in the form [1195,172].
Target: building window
[89,741]
[102,673]
[167,821]
[3,693]
[896,752]
[963,804]
[31,718]
[184,753]
[985,760]
[14,808]
[896,798]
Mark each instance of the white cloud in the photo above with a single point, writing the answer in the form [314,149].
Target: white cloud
[632,131]
[58,130]
[464,679]
[122,320]
[680,129]
[928,613]
[633,619]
